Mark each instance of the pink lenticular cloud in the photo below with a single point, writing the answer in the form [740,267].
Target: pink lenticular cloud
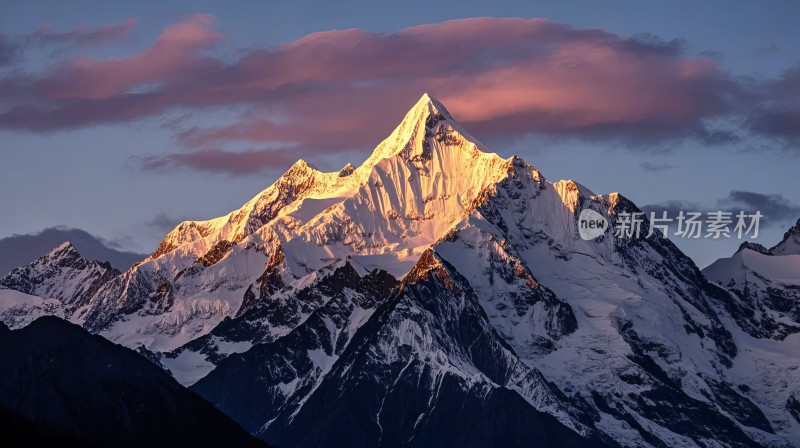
[339,90]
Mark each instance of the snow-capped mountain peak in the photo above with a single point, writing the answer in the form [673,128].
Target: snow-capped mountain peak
[384,214]
[428,165]
[62,277]
[64,253]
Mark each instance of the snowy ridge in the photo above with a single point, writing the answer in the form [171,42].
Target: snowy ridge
[167,302]
[416,335]
[300,181]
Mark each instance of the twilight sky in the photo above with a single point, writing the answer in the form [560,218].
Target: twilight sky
[124,120]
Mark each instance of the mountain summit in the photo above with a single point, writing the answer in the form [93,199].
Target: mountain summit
[417,126]
[414,185]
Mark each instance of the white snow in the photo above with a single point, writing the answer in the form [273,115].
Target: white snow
[18,309]
[784,269]
[189,367]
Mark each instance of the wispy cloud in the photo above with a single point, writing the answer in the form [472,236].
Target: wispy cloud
[217,161]
[768,50]
[163,223]
[12,47]
[81,35]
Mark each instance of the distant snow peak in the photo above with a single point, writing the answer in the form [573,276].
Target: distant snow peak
[767,283]
[789,245]
[62,275]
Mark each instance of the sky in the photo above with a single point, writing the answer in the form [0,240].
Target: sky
[125,119]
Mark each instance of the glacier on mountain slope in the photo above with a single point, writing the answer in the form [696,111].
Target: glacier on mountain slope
[630,334]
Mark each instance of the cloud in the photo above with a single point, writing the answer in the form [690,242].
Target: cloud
[216,160]
[774,207]
[90,88]
[768,50]
[13,47]
[81,36]
[8,50]
[673,208]
[783,121]
[656,167]
[776,210]
[344,90]
[777,115]
[163,223]
[496,75]
[646,43]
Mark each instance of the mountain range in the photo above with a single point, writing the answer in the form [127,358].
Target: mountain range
[440,295]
